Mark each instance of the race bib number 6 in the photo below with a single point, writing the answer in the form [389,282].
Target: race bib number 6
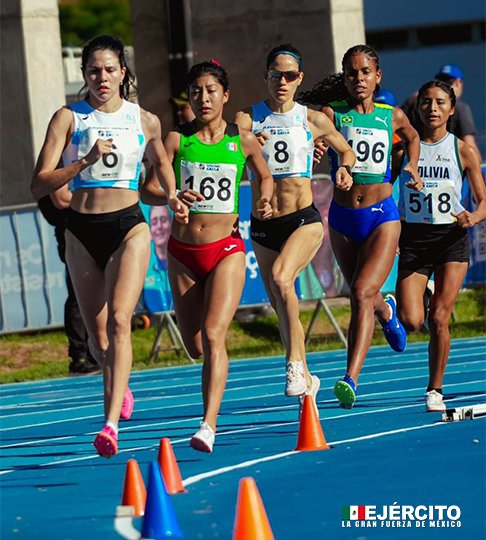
[215,182]
[119,164]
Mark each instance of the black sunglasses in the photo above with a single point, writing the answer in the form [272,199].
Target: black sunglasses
[289,76]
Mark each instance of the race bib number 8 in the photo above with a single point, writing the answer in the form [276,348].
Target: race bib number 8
[286,150]
[216,182]
[371,147]
[433,204]
[121,163]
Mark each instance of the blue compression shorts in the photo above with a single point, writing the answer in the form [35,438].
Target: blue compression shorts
[359,223]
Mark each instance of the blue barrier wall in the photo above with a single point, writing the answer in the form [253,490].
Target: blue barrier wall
[32,278]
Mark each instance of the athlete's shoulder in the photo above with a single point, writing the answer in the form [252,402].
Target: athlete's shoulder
[384,106]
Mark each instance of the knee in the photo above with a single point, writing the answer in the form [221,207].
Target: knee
[215,336]
[362,293]
[411,322]
[282,282]
[121,324]
[439,317]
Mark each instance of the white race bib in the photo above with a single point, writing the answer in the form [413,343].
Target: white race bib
[371,147]
[121,163]
[286,150]
[433,204]
[215,181]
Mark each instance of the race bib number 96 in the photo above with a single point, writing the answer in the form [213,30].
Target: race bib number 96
[371,147]
[215,182]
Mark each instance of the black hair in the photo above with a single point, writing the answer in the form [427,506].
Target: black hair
[211,67]
[417,123]
[285,48]
[332,88]
[447,88]
[111,43]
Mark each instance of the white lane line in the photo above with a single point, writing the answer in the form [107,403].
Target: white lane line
[246,430]
[262,374]
[245,464]
[236,389]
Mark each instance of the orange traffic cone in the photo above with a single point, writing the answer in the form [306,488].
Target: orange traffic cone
[311,436]
[251,521]
[134,493]
[169,468]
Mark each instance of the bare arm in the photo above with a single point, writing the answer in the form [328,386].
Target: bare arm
[162,167]
[61,198]
[472,167]
[407,133]
[263,177]
[48,177]
[471,141]
[323,129]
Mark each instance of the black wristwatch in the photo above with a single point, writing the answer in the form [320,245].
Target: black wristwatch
[348,168]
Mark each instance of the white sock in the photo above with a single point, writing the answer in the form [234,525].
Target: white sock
[113,426]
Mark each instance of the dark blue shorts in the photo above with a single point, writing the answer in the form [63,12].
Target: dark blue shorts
[359,223]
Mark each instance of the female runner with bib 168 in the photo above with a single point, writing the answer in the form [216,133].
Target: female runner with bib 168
[286,244]
[102,141]
[434,229]
[207,261]
[364,223]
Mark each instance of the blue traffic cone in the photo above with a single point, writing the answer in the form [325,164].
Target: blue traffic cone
[159,521]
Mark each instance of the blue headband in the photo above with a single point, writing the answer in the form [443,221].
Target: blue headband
[270,60]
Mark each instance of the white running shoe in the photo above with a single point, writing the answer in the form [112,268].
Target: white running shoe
[203,439]
[434,402]
[312,391]
[296,384]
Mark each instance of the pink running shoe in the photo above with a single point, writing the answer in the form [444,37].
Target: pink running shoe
[106,442]
[127,407]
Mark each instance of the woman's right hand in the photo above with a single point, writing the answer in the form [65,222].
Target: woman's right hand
[181,211]
[190,197]
[101,148]
[262,137]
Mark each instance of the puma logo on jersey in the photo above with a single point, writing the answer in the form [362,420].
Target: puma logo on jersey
[230,247]
[375,209]
[383,120]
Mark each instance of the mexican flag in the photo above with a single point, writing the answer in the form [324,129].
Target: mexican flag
[355,512]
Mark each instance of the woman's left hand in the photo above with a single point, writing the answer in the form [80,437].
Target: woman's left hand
[465,219]
[264,208]
[181,211]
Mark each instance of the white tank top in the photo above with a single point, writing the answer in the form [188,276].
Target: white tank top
[121,167]
[289,150]
[440,168]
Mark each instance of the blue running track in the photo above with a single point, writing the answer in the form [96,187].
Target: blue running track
[386,450]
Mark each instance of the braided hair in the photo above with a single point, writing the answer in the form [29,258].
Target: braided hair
[332,88]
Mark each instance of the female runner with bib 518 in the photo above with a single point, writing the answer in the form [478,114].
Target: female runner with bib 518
[102,140]
[207,261]
[434,229]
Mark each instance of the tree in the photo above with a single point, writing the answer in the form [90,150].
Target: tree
[83,20]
